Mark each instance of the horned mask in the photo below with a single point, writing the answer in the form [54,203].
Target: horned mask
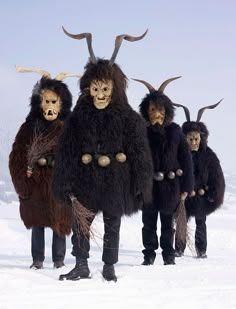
[50,100]
[100,89]
[195,131]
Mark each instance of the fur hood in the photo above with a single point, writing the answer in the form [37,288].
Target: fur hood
[56,86]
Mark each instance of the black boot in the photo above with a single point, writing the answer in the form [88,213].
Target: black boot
[148,260]
[201,254]
[37,265]
[80,271]
[170,260]
[108,272]
[178,253]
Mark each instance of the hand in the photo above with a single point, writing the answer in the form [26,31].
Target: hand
[183,196]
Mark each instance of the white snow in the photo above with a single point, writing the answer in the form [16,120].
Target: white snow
[191,283]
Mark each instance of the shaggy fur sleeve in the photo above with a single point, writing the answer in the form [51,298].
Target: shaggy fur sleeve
[186,164]
[216,181]
[18,161]
[139,156]
[65,167]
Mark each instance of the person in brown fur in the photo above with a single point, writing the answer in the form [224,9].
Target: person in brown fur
[31,161]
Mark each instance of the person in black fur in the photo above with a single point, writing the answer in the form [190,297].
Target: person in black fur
[208,194]
[173,173]
[104,159]
[31,161]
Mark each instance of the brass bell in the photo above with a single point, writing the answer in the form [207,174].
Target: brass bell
[42,161]
[121,157]
[86,158]
[159,176]
[171,175]
[104,161]
[179,172]
[201,192]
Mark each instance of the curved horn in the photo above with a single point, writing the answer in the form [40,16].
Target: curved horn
[150,88]
[186,110]
[163,85]
[63,75]
[25,70]
[119,40]
[80,36]
[201,110]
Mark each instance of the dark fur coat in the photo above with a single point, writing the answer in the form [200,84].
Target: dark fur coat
[37,205]
[170,151]
[120,188]
[208,176]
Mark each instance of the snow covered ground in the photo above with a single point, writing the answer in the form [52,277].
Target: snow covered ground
[191,283]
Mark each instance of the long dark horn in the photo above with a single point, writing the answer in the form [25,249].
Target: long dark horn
[80,36]
[119,40]
[186,110]
[163,85]
[150,88]
[201,110]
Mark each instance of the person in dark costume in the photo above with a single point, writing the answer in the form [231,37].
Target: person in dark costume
[104,158]
[208,194]
[31,161]
[173,173]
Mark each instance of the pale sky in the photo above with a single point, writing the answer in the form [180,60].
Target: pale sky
[194,39]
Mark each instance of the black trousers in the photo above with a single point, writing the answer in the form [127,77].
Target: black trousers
[38,245]
[149,233]
[200,237]
[111,240]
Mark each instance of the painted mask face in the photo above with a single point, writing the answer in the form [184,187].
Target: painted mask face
[51,105]
[101,91]
[194,139]
[155,114]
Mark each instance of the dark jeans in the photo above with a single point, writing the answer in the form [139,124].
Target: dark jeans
[149,233]
[111,239]
[38,245]
[200,237]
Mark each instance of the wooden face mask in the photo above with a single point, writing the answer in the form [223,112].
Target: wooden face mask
[51,105]
[194,139]
[155,114]
[101,91]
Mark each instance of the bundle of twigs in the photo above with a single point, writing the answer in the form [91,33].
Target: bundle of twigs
[181,224]
[83,218]
[42,145]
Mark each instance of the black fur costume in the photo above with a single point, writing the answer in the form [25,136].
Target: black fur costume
[120,188]
[37,205]
[208,176]
[170,152]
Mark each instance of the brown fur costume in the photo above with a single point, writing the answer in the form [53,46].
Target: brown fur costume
[37,205]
